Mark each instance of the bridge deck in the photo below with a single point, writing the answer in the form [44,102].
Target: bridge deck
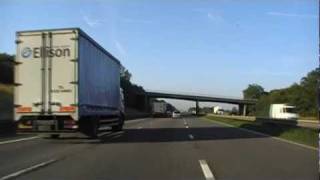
[201,98]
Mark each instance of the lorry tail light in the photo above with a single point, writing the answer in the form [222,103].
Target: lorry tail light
[24,109]
[67,109]
[70,124]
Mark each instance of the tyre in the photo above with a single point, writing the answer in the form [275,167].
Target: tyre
[90,127]
[94,128]
[54,136]
[119,127]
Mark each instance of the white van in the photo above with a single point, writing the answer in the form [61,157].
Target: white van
[218,110]
[283,111]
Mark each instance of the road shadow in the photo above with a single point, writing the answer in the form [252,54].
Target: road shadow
[156,135]
[7,128]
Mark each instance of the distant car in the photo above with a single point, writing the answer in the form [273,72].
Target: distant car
[176,114]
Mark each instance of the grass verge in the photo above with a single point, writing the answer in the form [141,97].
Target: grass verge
[309,118]
[296,134]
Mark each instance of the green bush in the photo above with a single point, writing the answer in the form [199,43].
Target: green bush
[302,95]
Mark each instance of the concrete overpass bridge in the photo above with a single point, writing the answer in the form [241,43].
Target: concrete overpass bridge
[242,103]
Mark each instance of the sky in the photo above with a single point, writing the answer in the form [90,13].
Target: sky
[214,47]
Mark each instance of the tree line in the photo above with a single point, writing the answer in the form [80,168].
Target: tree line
[134,95]
[303,95]
[6,68]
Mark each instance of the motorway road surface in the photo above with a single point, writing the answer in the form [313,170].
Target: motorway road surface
[161,148]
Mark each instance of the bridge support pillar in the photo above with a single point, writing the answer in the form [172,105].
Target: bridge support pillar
[243,109]
[244,112]
[197,108]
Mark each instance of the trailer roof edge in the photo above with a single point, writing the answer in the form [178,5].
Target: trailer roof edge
[82,33]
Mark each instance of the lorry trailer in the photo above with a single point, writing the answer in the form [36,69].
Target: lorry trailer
[65,82]
[159,109]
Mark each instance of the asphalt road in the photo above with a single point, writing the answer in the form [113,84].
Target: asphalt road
[162,148]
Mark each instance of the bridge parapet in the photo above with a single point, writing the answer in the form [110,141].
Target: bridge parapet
[199,98]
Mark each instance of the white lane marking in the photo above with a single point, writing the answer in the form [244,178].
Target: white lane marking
[267,135]
[135,121]
[140,127]
[26,170]
[206,170]
[187,126]
[18,140]
[191,136]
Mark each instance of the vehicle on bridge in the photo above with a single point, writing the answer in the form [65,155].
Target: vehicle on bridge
[65,82]
[283,111]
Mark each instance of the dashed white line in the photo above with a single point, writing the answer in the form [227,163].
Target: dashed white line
[26,170]
[206,170]
[187,126]
[18,140]
[191,136]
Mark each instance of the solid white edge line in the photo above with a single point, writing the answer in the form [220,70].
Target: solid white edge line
[18,140]
[267,135]
[206,170]
[26,170]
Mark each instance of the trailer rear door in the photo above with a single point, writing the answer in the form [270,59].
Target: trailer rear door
[46,72]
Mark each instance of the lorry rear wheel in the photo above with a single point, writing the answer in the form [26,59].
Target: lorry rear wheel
[90,127]
[54,136]
[94,128]
[120,125]
[117,128]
